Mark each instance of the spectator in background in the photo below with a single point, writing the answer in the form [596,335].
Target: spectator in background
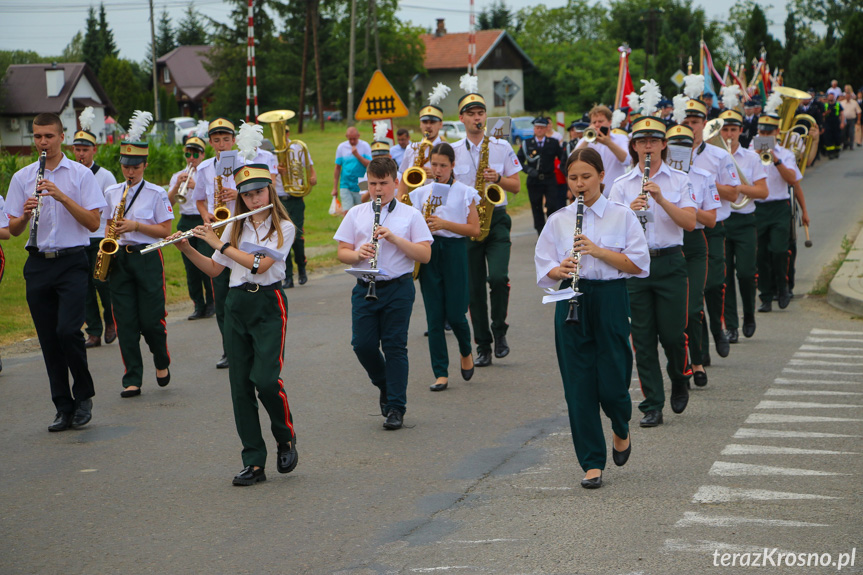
[712,113]
[352,157]
[551,131]
[403,140]
[834,125]
[811,107]
[834,89]
[851,111]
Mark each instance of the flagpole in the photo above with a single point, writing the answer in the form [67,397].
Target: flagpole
[617,93]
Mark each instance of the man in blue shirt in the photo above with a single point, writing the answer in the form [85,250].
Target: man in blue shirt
[352,157]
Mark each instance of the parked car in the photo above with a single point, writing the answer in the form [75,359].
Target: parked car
[453,131]
[183,127]
[333,116]
[522,129]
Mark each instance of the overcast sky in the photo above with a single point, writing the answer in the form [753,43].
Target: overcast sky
[47,26]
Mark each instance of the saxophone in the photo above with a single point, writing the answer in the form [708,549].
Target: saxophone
[490,195]
[428,210]
[220,208]
[415,176]
[110,245]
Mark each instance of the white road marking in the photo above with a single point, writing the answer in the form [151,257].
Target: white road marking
[446,568]
[806,347]
[820,371]
[822,354]
[735,449]
[542,488]
[782,418]
[708,547]
[832,339]
[719,494]
[774,391]
[825,363]
[768,404]
[483,541]
[728,469]
[692,518]
[819,331]
[746,433]
[785,381]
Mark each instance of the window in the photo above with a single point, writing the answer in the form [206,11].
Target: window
[166,75]
[498,101]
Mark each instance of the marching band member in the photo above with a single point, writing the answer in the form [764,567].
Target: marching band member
[138,280]
[741,236]
[200,286]
[296,208]
[69,202]
[4,235]
[253,251]
[658,301]
[594,355]
[431,121]
[612,147]
[537,156]
[381,324]
[84,147]
[488,260]
[445,293]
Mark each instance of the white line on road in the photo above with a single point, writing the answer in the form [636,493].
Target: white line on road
[728,469]
[735,449]
[768,404]
[693,518]
[826,363]
[446,568]
[774,391]
[708,547]
[820,371]
[782,418]
[785,381]
[719,494]
[822,354]
[806,347]
[483,541]
[819,331]
[832,339]
[542,488]
[747,433]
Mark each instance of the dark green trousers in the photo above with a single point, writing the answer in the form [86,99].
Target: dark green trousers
[138,299]
[659,312]
[773,236]
[488,264]
[296,208]
[695,252]
[94,287]
[255,326]
[714,286]
[199,284]
[220,291]
[596,366]
[741,239]
[444,289]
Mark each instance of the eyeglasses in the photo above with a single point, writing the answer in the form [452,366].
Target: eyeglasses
[190,154]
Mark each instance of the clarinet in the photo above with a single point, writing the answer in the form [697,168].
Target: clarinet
[572,316]
[34,224]
[643,214]
[373,263]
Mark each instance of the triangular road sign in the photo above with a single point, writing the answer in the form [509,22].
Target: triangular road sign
[380,101]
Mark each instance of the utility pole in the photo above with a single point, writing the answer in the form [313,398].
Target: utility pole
[377,39]
[305,66]
[315,20]
[351,57]
[153,57]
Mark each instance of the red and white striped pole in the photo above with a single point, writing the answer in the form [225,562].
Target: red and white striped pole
[471,44]
[251,75]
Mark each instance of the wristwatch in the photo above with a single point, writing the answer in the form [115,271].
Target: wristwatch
[257,263]
[777,162]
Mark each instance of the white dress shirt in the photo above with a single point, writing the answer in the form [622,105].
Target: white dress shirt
[501,159]
[455,208]
[151,206]
[58,229]
[753,170]
[718,162]
[777,187]
[188,208]
[706,195]
[613,167]
[251,238]
[403,221]
[4,219]
[608,224]
[105,179]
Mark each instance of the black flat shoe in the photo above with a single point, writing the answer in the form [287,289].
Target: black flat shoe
[699,378]
[110,333]
[223,363]
[784,299]
[163,381]
[447,326]
[748,326]
[466,374]
[249,476]
[733,336]
[288,283]
[62,422]
[651,419]
[83,414]
[438,386]
[765,307]
[130,392]
[483,359]
[501,349]
[210,310]
[679,397]
[705,360]
[395,420]
[302,277]
[197,314]
[287,456]
[721,343]
[594,483]
[621,457]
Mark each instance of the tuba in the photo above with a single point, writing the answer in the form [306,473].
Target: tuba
[415,176]
[297,177]
[110,245]
[490,195]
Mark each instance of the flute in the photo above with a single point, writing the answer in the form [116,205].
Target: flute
[572,316]
[190,233]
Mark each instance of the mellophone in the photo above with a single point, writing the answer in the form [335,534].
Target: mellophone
[190,233]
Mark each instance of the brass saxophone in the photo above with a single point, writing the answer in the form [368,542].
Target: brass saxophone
[415,176]
[428,210]
[490,195]
[220,208]
[110,245]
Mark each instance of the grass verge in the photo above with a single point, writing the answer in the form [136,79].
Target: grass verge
[829,270]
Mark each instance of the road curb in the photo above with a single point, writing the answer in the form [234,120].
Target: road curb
[845,291]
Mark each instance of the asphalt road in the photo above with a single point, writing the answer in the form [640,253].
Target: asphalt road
[486,481]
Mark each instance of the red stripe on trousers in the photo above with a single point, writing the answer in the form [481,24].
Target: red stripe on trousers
[284,314]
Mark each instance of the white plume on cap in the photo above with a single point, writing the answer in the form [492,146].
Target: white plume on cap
[138,124]
[87,118]
[382,128]
[438,93]
[773,103]
[468,83]
[650,96]
[679,113]
[250,137]
[730,96]
[203,130]
[634,101]
[617,118]
[693,85]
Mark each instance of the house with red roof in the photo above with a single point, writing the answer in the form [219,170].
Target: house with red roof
[183,74]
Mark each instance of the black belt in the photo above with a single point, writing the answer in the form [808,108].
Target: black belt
[500,208]
[253,287]
[384,283]
[133,248]
[665,251]
[56,254]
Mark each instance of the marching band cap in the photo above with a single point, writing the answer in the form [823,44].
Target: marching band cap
[222,125]
[133,153]
[680,134]
[578,125]
[196,143]
[252,177]
[540,121]
[84,138]
[430,112]
[585,118]
[648,127]
[768,122]
[469,101]
[696,107]
[750,104]
[380,148]
[664,103]
[732,117]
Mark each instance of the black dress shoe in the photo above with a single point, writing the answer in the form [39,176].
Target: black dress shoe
[210,310]
[621,457]
[651,419]
[302,277]
[483,359]
[426,333]
[721,343]
[249,476]
[223,363]
[679,397]
[395,419]
[748,325]
[83,413]
[1,364]
[438,386]
[197,314]
[699,378]
[163,381]
[288,283]
[93,341]
[447,326]
[784,299]
[733,336]
[466,374]
[594,483]
[765,306]
[705,360]
[287,456]
[62,422]
[501,349]
[130,392]
[110,333]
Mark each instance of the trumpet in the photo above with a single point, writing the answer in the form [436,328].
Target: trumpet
[589,134]
[766,157]
[184,187]
[190,233]
[32,241]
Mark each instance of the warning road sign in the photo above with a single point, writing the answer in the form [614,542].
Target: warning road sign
[380,100]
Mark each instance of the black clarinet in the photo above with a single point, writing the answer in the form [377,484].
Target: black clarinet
[372,295]
[572,316]
[643,214]
[37,211]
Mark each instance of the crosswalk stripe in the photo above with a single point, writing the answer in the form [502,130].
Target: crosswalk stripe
[735,449]
[692,518]
[819,331]
[825,363]
[786,381]
[768,404]
[720,494]
[832,339]
[749,433]
[728,469]
[708,547]
[822,354]
[783,418]
[820,371]
[806,347]
[785,391]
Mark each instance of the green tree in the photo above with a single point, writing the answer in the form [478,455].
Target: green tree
[835,14]
[123,86]
[497,16]
[850,62]
[814,65]
[106,36]
[192,31]
[74,50]
[792,44]
[92,45]
[165,41]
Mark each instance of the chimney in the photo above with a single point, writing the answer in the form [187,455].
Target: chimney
[54,80]
[441,29]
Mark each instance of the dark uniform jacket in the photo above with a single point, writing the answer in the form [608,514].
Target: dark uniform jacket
[539,162]
[749,130]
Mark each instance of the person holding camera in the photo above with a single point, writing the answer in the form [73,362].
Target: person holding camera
[612,147]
